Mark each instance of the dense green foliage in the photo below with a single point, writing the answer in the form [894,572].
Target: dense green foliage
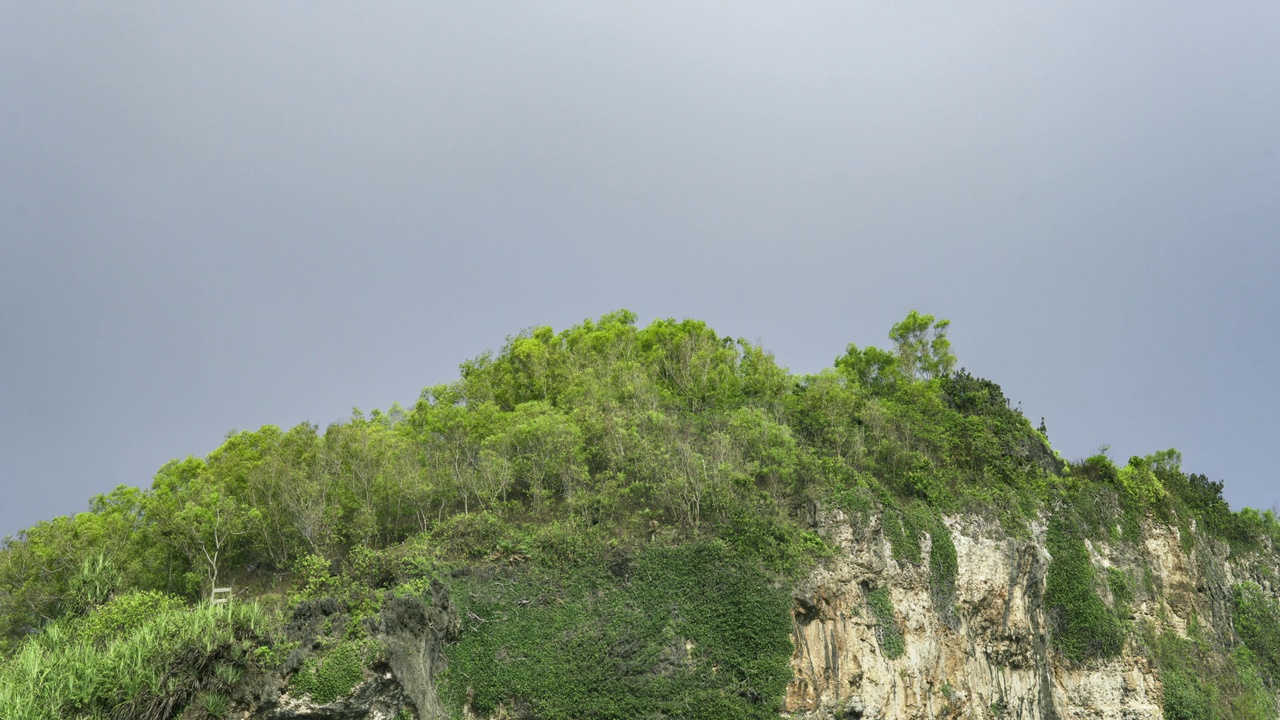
[686,631]
[1110,502]
[1257,620]
[333,676]
[1121,588]
[1085,627]
[1202,683]
[693,455]
[943,567]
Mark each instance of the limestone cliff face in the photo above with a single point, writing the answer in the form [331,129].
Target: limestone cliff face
[989,656]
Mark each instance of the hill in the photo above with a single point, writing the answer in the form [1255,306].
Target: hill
[617,522]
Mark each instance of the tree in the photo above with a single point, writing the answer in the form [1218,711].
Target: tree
[545,450]
[212,520]
[924,351]
[921,352]
[871,367]
[697,368]
[198,515]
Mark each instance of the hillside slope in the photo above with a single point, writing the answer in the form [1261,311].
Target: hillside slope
[659,522]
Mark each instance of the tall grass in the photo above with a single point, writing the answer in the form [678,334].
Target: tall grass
[147,672]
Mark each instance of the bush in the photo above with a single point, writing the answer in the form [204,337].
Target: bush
[1185,696]
[1138,479]
[1121,588]
[1202,682]
[124,614]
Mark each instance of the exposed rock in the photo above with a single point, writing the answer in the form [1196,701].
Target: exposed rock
[415,632]
[993,659]
[379,698]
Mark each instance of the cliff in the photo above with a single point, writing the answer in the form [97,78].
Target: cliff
[990,655]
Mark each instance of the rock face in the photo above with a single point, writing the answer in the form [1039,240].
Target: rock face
[414,632]
[989,656]
[378,698]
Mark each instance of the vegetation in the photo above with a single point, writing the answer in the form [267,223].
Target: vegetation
[1085,628]
[147,667]
[215,704]
[887,631]
[687,631]
[943,567]
[332,677]
[639,492]
[1257,620]
[1203,683]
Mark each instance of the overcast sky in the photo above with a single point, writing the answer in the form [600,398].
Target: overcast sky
[268,213]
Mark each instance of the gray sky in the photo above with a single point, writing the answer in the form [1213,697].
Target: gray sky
[254,213]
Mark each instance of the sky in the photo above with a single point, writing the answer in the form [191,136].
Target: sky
[223,216]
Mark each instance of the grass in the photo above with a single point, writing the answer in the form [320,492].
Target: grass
[149,670]
[215,704]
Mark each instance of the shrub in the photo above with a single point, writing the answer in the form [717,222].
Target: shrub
[1185,696]
[1121,588]
[1202,682]
[1138,479]
[125,613]
[334,676]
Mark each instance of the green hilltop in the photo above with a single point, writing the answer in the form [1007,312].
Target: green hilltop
[597,480]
